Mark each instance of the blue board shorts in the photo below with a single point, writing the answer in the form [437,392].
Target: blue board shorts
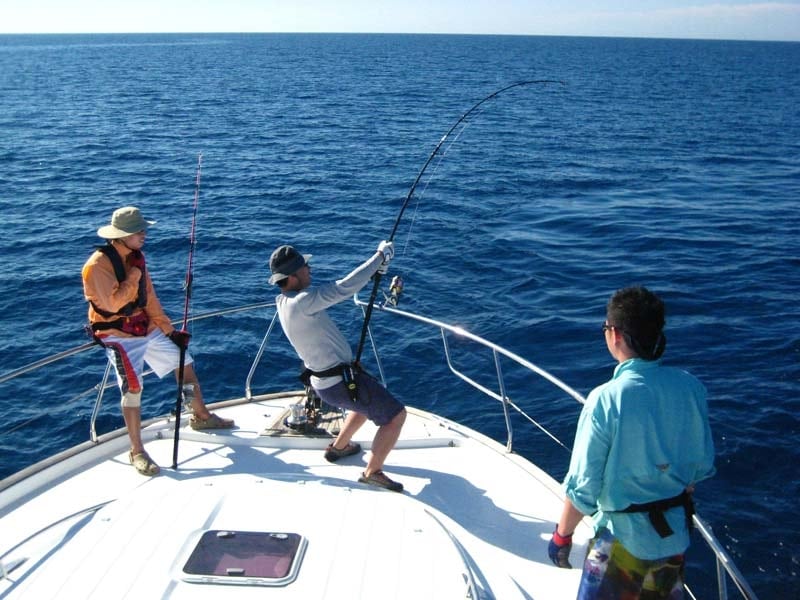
[610,572]
[372,399]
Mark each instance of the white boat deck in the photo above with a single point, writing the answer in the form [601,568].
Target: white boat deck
[471,515]
[278,521]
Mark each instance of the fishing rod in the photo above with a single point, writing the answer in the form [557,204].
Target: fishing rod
[187,287]
[434,153]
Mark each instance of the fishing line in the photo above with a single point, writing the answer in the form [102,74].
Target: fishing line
[440,159]
[187,287]
[436,152]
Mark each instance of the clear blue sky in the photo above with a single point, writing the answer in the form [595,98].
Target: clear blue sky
[709,19]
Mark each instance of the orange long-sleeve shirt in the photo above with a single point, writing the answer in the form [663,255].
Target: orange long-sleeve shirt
[100,286]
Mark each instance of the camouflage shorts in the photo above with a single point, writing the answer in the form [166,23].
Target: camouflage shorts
[610,572]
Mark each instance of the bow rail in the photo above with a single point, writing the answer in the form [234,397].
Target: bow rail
[725,567]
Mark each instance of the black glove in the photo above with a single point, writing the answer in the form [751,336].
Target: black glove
[559,549]
[136,259]
[180,338]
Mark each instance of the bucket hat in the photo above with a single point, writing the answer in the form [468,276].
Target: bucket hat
[285,261]
[124,222]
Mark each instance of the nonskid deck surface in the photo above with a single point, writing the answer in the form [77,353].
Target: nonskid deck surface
[464,497]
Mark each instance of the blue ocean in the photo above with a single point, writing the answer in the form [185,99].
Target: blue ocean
[669,163]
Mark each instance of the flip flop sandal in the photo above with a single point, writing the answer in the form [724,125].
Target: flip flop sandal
[143,463]
[379,479]
[333,454]
[212,422]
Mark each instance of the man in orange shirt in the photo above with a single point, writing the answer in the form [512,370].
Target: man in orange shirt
[127,319]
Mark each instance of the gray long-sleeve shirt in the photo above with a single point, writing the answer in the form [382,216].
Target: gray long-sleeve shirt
[314,336]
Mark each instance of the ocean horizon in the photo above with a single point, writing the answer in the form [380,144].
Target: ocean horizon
[673,164]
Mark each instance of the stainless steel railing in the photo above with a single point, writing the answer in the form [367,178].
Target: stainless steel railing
[725,568]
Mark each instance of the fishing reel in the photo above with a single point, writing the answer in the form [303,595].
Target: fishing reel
[304,415]
[395,289]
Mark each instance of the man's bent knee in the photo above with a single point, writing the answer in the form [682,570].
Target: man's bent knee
[400,418]
[132,399]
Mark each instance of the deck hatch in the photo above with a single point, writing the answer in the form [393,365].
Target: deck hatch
[245,557]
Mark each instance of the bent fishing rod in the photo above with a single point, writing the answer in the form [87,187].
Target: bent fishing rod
[433,154]
[187,286]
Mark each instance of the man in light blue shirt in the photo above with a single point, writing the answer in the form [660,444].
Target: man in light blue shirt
[643,441]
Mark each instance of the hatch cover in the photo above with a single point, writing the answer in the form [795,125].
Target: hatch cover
[245,557]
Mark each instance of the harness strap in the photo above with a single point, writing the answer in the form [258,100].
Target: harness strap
[337,370]
[347,371]
[305,375]
[136,325]
[119,272]
[655,511]
[116,260]
[117,324]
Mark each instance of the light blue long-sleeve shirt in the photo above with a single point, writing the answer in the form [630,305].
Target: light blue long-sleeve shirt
[641,437]
[314,336]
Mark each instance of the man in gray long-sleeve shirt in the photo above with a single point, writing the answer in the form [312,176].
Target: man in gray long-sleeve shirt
[327,355]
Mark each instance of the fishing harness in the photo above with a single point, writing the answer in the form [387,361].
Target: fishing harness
[347,371]
[655,512]
[136,325]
